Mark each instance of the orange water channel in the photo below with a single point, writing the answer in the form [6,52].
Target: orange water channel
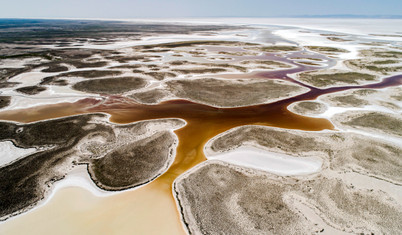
[151,209]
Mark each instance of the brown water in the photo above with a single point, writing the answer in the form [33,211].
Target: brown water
[151,209]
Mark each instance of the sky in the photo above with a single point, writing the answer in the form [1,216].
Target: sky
[127,9]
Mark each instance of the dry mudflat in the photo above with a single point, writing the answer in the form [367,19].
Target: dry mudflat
[342,151]
[118,156]
[307,107]
[31,90]
[388,98]
[377,61]
[370,121]
[330,78]
[356,191]
[4,101]
[110,85]
[234,92]
[217,197]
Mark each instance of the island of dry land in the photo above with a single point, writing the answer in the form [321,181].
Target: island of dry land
[218,197]
[307,108]
[118,156]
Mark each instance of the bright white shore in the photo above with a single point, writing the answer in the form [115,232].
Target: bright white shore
[10,153]
[352,26]
[280,164]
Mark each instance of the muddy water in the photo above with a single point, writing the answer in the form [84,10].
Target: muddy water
[150,209]
[51,111]
[73,210]
[204,122]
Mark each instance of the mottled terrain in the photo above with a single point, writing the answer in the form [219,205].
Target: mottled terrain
[119,105]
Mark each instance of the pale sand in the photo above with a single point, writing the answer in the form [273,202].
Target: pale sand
[74,210]
[23,102]
[9,153]
[277,163]
[167,38]
[77,206]
[29,78]
[300,205]
[342,25]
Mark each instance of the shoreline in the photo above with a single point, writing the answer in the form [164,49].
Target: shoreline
[79,176]
[251,156]
[79,179]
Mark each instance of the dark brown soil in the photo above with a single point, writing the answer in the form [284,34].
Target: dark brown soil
[110,85]
[4,101]
[31,90]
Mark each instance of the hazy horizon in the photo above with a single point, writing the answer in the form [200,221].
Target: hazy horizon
[121,9]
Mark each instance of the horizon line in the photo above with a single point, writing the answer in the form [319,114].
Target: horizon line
[331,16]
